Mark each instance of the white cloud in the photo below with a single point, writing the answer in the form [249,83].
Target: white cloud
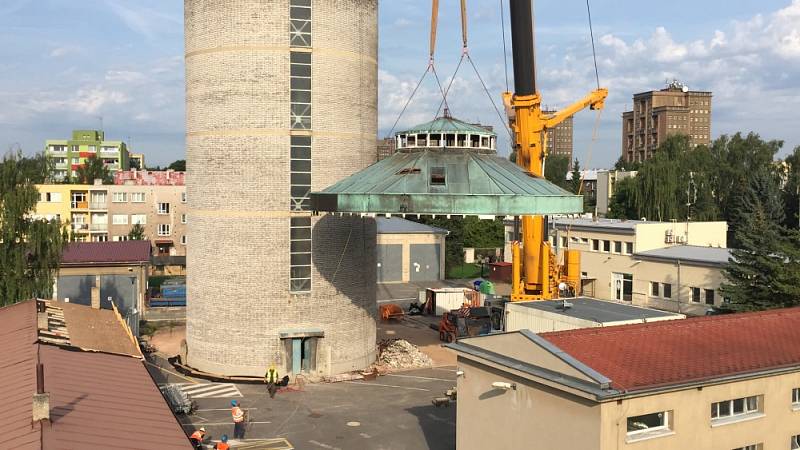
[145,21]
[65,50]
[124,76]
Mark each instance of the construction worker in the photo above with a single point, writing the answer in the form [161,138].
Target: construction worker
[223,443]
[271,378]
[238,420]
[197,438]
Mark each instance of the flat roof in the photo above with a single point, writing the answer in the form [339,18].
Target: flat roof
[716,256]
[396,225]
[600,311]
[614,225]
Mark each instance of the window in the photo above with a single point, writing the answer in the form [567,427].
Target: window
[629,248]
[649,425]
[796,398]
[300,177]
[654,289]
[119,197]
[51,197]
[709,296]
[120,238]
[736,408]
[617,247]
[595,245]
[622,286]
[749,447]
[667,289]
[138,219]
[695,294]
[119,219]
[183,239]
[438,176]
[607,246]
[300,255]
[137,197]
[75,160]
[300,90]
[300,23]
[796,442]
[564,242]
[183,197]
[183,218]
[163,229]
[163,208]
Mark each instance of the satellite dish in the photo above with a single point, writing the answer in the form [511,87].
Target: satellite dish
[685,89]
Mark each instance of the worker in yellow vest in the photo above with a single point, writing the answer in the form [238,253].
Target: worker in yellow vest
[271,378]
[238,420]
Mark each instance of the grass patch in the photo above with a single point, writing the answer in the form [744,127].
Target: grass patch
[464,271]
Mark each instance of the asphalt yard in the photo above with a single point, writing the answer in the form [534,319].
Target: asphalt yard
[393,412]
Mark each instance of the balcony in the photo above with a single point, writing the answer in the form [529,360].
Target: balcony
[79,205]
[98,227]
[98,205]
[80,227]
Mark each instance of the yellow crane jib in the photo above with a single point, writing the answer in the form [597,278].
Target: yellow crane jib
[536,273]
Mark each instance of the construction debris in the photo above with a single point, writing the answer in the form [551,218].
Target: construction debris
[401,354]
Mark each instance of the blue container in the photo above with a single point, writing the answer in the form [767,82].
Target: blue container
[477,285]
[173,291]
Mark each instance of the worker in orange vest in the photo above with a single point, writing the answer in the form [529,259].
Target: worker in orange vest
[197,438]
[238,420]
[223,444]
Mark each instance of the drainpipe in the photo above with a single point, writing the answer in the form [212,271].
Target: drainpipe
[679,286]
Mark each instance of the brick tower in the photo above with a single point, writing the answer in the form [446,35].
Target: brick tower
[281,99]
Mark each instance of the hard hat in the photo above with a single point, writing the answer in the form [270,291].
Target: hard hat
[234,403]
[202,429]
[224,438]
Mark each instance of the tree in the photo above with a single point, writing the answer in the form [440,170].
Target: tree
[137,233]
[555,170]
[626,166]
[94,169]
[621,205]
[791,192]
[577,178]
[30,248]
[764,272]
[179,165]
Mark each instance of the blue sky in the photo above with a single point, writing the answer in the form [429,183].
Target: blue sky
[68,64]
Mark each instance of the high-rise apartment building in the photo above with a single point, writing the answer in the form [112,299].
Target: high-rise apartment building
[659,114]
[559,139]
[68,155]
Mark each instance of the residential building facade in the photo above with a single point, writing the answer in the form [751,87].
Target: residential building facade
[661,385]
[559,139]
[657,115]
[101,213]
[589,181]
[666,265]
[606,186]
[67,155]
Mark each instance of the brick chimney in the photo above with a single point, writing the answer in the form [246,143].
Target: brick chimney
[41,399]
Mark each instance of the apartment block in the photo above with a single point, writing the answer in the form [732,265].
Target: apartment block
[657,115]
[559,139]
[101,213]
[672,266]
[653,386]
[606,186]
[68,155]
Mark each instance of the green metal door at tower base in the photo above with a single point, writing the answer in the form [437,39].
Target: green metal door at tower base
[303,355]
[297,355]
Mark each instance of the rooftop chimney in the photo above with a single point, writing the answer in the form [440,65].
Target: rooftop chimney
[41,399]
[96,293]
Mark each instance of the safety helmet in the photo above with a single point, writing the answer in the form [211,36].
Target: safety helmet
[224,438]
[203,429]
[234,403]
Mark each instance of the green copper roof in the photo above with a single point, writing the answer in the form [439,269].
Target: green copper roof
[447,125]
[441,183]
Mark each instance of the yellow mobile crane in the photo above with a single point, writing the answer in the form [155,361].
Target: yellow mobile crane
[535,269]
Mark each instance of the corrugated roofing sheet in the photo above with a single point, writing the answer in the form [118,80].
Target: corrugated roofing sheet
[660,354]
[396,225]
[106,252]
[97,329]
[466,183]
[18,374]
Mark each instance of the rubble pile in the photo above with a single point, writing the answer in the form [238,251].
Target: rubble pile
[401,354]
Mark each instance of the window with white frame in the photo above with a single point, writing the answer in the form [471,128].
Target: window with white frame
[137,197]
[300,90]
[183,197]
[607,246]
[51,197]
[183,239]
[164,229]
[138,219]
[629,248]
[617,247]
[120,238]
[649,425]
[119,219]
[595,245]
[300,23]
[695,294]
[163,208]
[655,289]
[183,218]
[738,407]
[300,173]
[796,398]
[300,255]
[119,197]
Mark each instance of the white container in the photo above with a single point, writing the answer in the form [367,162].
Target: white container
[447,299]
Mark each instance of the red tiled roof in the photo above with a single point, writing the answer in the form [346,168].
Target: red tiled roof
[97,400]
[106,252]
[660,354]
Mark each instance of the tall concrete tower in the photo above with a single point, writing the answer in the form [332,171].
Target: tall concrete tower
[281,99]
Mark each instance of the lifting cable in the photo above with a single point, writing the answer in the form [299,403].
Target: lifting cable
[505,52]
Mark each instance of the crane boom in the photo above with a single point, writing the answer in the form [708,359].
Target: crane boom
[535,270]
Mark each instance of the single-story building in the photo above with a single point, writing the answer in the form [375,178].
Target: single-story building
[73,377]
[119,269]
[409,251]
[716,382]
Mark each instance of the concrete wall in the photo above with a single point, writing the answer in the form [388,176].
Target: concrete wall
[651,236]
[406,241]
[692,420]
[532,417]
[238,184]
[112,283]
